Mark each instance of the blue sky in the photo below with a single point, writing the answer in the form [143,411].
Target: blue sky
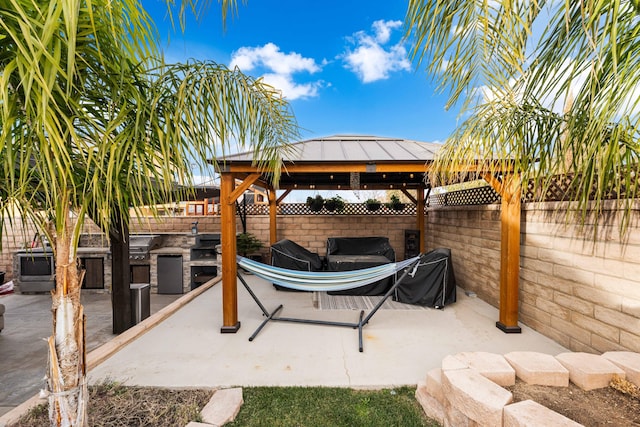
[341,64]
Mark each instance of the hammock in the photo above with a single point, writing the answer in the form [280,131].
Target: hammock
[324,281]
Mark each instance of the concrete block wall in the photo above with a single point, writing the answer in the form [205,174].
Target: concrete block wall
[473,235]
[582,293]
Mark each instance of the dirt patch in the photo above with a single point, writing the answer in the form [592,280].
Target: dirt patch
[116,405]
[617,405]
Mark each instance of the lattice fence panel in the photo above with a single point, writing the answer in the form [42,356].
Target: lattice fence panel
[561,189]
[349,209]
[473,196]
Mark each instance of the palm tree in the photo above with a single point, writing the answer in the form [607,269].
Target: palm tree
[91,123]
[547,89]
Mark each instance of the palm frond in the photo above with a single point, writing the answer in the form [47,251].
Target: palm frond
[562,84]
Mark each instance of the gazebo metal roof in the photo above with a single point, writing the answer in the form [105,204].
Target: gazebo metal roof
[330,162]
[354,148]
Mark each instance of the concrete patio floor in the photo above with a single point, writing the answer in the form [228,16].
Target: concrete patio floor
[400,346]
[187,350]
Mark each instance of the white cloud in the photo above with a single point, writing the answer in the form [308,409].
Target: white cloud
[370,60]
[278,69]
[383,29]
[291,89]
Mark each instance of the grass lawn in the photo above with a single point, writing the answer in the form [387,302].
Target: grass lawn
[330,406]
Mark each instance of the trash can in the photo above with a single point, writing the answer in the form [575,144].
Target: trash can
[140,301]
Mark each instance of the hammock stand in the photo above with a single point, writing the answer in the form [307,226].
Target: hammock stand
[304,280]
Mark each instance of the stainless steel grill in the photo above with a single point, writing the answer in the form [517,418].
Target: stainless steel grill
[141,244]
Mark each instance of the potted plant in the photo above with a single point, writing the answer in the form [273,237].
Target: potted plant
[395,203]
[373,204]
[315,203]
[334,204]
[247,244]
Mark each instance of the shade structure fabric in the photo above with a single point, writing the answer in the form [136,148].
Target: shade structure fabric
[322,280]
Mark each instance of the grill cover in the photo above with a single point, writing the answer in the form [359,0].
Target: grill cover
[434,284]
[290,255]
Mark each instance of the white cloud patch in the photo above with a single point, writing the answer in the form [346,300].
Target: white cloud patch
[278,69]
[371,60]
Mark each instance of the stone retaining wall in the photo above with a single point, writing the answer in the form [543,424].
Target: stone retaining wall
[468,389]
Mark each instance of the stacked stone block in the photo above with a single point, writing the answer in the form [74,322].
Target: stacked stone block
[466,390]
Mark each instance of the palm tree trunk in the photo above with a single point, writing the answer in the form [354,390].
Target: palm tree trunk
[120,277]
[66,376]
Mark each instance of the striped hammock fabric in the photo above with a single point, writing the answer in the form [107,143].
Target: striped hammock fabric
[322,280]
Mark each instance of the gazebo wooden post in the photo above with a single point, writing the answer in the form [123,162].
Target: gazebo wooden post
[510,254]
[420,217]
[230,323]
[273,211]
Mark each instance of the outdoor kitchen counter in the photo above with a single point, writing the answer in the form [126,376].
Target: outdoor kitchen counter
[169,251]
[83,250]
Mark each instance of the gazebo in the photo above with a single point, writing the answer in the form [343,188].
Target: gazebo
[358,162]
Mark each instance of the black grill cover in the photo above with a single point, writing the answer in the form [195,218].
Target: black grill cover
[290,255]
[434,284]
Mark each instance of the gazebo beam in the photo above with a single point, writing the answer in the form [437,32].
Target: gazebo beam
[283,195]
[420,217]
[244,186]
[337,167]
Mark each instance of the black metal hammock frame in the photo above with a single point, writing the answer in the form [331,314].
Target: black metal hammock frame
[410,266]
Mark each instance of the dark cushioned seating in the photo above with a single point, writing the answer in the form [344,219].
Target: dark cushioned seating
[353,253]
